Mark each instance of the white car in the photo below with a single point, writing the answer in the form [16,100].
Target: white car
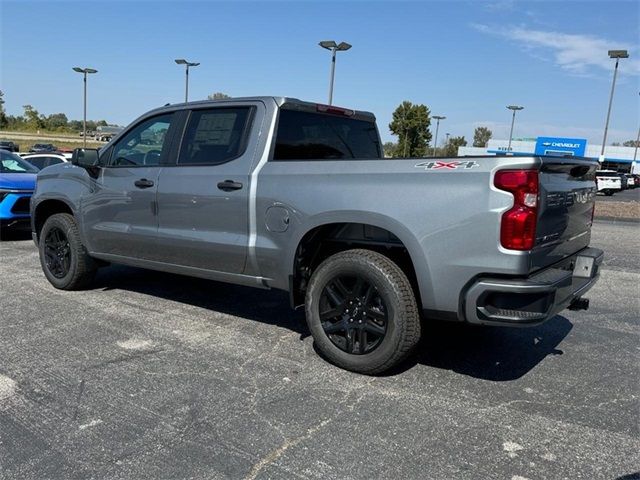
[42,160]
[608,182]
[631,183]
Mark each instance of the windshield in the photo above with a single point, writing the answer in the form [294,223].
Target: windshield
[12,163]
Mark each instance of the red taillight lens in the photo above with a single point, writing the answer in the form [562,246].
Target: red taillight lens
[518,227]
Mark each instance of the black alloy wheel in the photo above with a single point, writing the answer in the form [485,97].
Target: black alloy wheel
[57,252]
[353,314]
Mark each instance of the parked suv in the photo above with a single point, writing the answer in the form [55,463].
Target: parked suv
[42,148]
[9,146]
[279,193]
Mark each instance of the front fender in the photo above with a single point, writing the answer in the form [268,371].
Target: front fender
[64,183]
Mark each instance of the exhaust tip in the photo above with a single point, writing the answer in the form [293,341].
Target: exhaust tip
[579,304]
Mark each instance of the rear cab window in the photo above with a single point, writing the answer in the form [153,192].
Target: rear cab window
[308,135]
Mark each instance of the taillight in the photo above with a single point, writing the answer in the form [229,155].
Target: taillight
[518,226]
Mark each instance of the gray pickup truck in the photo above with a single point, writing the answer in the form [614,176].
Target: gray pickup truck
[279,193]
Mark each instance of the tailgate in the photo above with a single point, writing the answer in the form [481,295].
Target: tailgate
[567,197]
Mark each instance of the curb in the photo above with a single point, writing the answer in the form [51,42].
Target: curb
[608,219]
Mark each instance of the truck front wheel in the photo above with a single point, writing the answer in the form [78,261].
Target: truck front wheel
[64,259]
[362,311]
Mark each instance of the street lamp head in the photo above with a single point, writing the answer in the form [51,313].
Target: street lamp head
[439,117]
[328,44]
[85,70]
[515,107]
[344,46]
[182,61]
[618,54]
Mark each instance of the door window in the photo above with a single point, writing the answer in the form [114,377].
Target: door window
[144,144]
[214,136]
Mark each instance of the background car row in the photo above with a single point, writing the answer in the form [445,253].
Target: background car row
[610,181]
[17,183]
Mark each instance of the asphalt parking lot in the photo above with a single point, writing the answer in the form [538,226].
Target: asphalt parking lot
[151,376]
[629,195]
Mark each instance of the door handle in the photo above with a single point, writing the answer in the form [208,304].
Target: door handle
[229,185]
[143,183]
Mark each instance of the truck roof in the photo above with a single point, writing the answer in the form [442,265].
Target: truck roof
[280,101]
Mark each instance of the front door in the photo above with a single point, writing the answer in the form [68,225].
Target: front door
[203,200]
[120,213]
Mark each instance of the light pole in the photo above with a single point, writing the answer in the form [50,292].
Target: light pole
[182,61]
[84,71]
[515,108]
[333,47]
[617,54]
[435,142]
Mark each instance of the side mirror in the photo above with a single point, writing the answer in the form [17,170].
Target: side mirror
[85,157]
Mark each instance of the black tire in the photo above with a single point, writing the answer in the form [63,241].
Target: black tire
[379,288]
[63,258]
[608,193]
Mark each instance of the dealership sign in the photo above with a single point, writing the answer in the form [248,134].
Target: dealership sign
[561,146]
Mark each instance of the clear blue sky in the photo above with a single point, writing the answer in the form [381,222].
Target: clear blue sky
[463,59]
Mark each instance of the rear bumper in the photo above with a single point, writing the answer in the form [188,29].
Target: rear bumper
[532,300]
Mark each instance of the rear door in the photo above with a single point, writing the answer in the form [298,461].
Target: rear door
[567,198]
[203,200]
[120,213]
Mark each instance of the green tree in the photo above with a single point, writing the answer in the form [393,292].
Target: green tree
[33,119]
[75,125]
[389,149]
[631,143]
[481,136]
[451,148]
[218,96]
[56,121]
[4,121]
[411,124]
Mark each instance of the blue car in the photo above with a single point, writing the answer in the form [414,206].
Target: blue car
[17,182]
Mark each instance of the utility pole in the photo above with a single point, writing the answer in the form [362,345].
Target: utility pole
[515,108]
[84,71]
[182,61]
[333,47]
[435,141]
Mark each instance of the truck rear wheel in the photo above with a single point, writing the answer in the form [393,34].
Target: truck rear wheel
[64,259]
[362,311]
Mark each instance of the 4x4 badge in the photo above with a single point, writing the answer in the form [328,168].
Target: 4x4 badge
[438,164]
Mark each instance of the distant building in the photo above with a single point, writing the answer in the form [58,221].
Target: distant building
[616,158]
